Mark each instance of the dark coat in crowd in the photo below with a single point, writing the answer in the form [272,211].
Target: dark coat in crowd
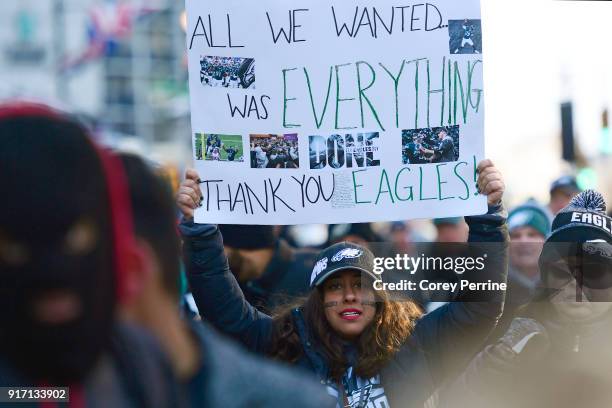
[133,373]
[233,378]
[540,363]
[443,342]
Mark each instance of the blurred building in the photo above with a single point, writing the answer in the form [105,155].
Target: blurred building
[27,49]
[119,63]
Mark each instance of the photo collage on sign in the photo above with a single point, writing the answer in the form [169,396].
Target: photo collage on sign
[227,72]
[348,150]
[265,151]
[358,150]
[212,146]
[270,151]
[465,36]
[430,145]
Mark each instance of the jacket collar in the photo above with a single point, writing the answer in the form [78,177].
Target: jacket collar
[311,354]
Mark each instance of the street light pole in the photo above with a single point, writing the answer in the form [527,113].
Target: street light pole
[59,50]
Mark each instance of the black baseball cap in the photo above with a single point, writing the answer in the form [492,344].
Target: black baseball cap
[565,183]
[341,256]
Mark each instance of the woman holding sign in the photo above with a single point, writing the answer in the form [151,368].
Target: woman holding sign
[368,350]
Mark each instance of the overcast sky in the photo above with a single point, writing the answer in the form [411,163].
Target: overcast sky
[538,53]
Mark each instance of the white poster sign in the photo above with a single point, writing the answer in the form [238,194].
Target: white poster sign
[335,111]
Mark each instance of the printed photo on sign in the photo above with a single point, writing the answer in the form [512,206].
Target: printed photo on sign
[218,147]
[465,36]
[431,145]
[274,151]
[338,151]
[227,72]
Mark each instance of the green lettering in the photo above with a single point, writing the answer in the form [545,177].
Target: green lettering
[285,100]
[384,177]
[467,188]
[464,102]
[478,91]
[362,94]
[410,196]
[338,99]
[355,185]
[421,186]
[441,90]
[416,93]
[440,182]
[450,105]
[314,111]
[395,86]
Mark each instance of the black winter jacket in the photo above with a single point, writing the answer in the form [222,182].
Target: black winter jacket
[230,377]
[134,372]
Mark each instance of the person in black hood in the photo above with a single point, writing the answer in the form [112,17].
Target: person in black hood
[369,350]
[41,221]
[557,352]
[67,258]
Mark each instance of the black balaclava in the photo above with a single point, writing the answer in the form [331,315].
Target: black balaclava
[579,248]
[52,180]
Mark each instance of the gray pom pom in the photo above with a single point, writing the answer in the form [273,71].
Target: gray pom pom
[589,200]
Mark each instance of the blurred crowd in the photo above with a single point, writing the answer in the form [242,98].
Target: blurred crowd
[108,287]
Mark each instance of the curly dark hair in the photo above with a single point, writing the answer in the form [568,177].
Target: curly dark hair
[392,326]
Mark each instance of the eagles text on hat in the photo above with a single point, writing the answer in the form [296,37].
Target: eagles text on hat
[583,219]
[592,219]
